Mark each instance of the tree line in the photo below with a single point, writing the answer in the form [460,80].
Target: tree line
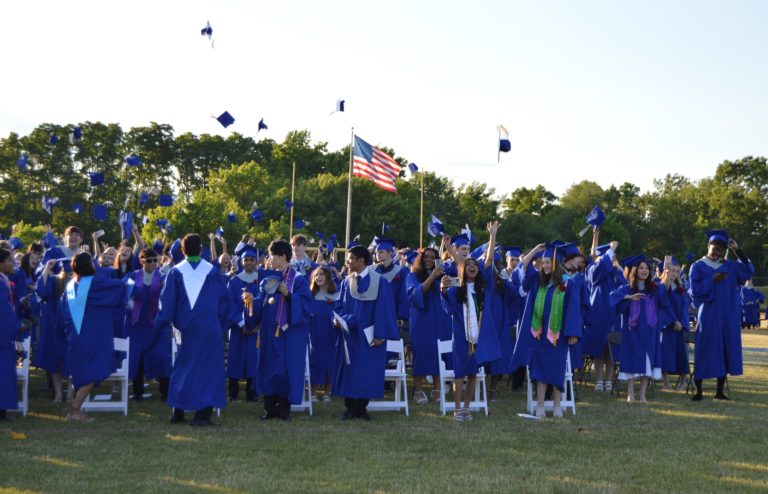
[211,177]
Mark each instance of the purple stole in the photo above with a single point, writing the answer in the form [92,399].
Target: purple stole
[153,297]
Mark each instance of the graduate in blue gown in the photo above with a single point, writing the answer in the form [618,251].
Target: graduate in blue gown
[470,308]
[642,302]
[427,322]
[196,301]
[150,350]
[88,301]
[366,306]
[284,334]
[395,276]
[243,356]
[674,323]
[51,351]
[551,322]
[714,288]
[602,276]
[300,261]
[322,335]
[9,329]
[750,306]
[516,277]
[574,264]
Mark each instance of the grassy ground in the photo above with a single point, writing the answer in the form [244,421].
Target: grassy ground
[667,445]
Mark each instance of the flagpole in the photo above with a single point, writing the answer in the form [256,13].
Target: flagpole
[293,191]
[421,213]
[349,190]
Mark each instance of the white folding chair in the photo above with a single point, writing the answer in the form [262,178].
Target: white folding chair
[306,397]
[105,403]
[174,352]
[399,377]
[22,377]
[568,399]
[480,401]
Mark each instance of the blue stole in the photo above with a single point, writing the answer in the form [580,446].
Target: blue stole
[76,300]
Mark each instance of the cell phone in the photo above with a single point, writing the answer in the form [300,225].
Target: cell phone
[440,264]
[455,281]
[99,233]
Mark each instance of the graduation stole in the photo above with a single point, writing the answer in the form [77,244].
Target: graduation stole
[478,314]
[650,312]
[555,313]
[9,285]
[76,300]
[289,277]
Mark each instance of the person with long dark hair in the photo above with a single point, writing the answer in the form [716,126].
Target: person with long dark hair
[469,306]
[427,321]
[674,323]
[640,301]
[551,322]
[322,337]
[87,303]
[9,329]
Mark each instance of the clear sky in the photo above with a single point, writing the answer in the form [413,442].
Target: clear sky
[610,91]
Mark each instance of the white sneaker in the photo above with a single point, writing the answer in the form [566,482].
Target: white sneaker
[557,413]
[314,398]
[540,412]
[608,387]
[599,386]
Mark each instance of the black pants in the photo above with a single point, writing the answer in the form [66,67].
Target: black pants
[234,389]
[138,383]
[202,414]
[277,406]
[356,406]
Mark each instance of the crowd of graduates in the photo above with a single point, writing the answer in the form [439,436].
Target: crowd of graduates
[254,314]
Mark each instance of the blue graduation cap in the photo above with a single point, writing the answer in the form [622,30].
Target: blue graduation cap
[225,119]
[166,200]
[133,160]
[385,244]
[512,251]
[77,208]
[468,232]
[720,236]
[570,249]
[161,223]
[690,256]
[504,145]
[144,220]
[158,247]
[460,240]
[411,255]
[48,203]
[207,30]
[478,252]
[257,215]
[384,228]
[633,260]
[319,235]
[143,199]
[354,242]
[602,249]
[96,178]
[125,219]
[596,217]
[298,224]
[16,243]
[340,105]
[232,217]
[552,250]
[673,261]
[176,254]
[435,227]
[77,133]
[287,203]
[219,232]
[23,162]
[413,167]
[249,251]
[262,126]
[50,241]
[332,242]
[100,212]
[54,139]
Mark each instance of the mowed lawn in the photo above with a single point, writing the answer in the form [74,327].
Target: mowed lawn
[667,445]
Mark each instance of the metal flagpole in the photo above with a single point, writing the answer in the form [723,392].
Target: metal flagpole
[349,190]
[293,191]
[421,213]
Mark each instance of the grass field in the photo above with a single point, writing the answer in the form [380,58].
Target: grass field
[667,445]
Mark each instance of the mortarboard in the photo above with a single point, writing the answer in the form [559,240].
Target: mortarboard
[219,232]
[512,251]
[460,240]
[720,236]
[299,224]
[77,133]
[262,126]
[413,167]
[504,145]
[384,228]
[634,260]
[249,251]
[125,219]
[132,160]
[690,256]
[595,219]
[225,119]
[435,227]
[287,203]
[410,256]
[207,30]
[158,247]
[257,215]
[96,178]
[48,203]
[553,249]
[232,217]
[602,249]
[143,199]
[570,249]
[77,208]
[100,212]
[54,139]
[166,200]
[385,244]
[16,243]
[340,105]
[176,254]
[23,162]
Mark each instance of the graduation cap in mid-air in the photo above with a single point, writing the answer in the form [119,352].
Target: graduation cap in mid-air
[339,106]
[133,160]
[257,215]
[53,139]
[125,220]
[165,200]
[143,198]
[96,178]
[287,204]
[595,219]
[435,227]
[504,145]
[413,167]
[207,31]
[77,208]
[48,203]
[225,119]
[262,126]
[77,134]
[299,224]
[232,217]
[100,212]
[23,162]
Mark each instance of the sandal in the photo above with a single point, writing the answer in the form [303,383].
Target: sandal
[420,397]
[435,395]
[79,417]
[458,415]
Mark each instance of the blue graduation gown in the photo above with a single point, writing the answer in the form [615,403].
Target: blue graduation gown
[428,322]
[197,378]
[674,350]
[147,342]
[243,356]
[750,306]
[718,336]
[466,362]
[322,336]
[504,309]
[9,327]
[91,352]
[397,285]
[51,351]
[363,377]
[601,279]
[282,358]
[641,344]
[547,362]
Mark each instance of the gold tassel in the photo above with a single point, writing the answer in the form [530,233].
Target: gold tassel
[277,332]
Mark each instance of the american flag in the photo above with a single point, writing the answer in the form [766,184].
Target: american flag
[371,163]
